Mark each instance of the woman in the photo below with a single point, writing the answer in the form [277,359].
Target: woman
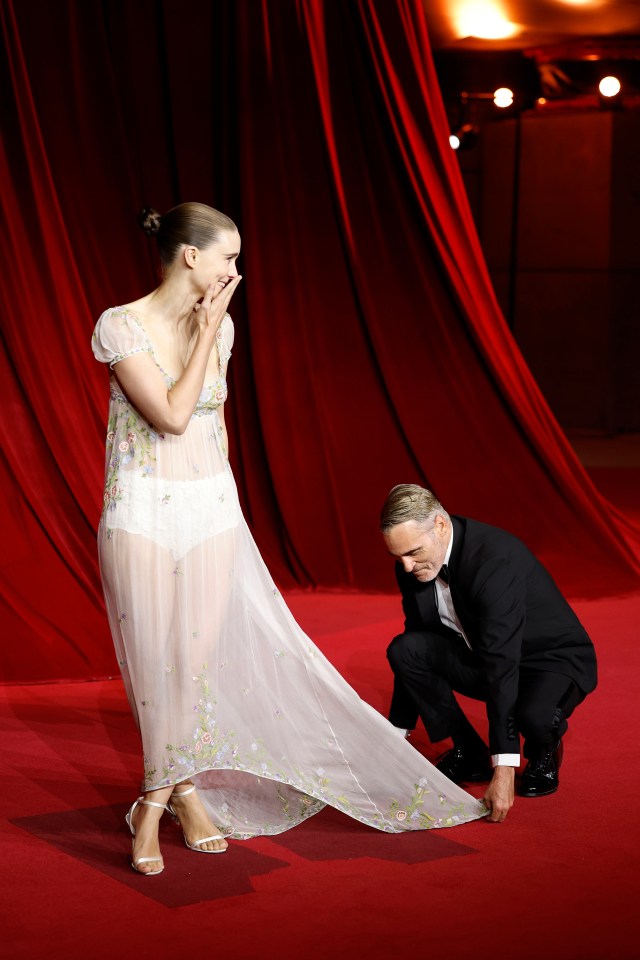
[227,690]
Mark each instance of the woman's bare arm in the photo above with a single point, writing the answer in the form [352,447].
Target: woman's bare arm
[170,410]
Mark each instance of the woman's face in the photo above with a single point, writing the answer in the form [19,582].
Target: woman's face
[216,265]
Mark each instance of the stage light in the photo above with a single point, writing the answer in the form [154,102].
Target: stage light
[503,97]
[464,137]
[483,19]
[609,86]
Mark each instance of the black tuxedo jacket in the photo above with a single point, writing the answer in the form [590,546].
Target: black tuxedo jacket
[513,615]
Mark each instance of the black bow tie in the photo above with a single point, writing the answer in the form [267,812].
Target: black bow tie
[444,573]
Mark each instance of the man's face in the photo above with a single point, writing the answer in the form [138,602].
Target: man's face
[420,547]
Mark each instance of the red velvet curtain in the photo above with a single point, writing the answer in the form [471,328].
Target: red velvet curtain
[369,346]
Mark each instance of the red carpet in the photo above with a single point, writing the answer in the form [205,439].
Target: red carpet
[558,878]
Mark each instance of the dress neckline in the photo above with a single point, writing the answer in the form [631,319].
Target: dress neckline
[131,313]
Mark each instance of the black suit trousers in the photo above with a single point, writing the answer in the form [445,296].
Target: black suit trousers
[430,667]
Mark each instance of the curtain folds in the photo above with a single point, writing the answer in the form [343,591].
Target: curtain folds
[369,351]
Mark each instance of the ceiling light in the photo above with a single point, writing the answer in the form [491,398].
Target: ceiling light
[609,86]
[484,19]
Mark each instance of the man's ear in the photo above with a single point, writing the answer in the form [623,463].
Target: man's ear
[440,526]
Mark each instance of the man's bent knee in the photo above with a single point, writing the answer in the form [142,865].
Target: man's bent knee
[396,651]
[407,647]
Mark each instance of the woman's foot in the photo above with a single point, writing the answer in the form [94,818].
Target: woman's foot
[143,820]
[199,833]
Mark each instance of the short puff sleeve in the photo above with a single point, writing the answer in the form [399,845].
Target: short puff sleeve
[118,335]
[226,335]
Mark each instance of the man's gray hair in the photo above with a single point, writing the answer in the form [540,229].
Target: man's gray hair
[408,501]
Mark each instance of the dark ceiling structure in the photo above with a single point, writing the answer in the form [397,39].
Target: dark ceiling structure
[551,53]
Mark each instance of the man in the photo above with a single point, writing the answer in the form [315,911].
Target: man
[485,619]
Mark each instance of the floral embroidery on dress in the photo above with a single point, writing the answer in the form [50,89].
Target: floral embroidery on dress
[131,441]
[212,748]
[212,396]
[138,448]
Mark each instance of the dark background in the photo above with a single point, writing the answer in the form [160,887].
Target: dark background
[553,186]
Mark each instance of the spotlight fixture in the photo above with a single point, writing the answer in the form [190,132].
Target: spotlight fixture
[464,137]
[503,97]
[609,86]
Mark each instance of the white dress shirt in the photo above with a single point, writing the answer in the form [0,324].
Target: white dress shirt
[447,613]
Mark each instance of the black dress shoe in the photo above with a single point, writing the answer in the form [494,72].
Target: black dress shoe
[540,776]
[465,767]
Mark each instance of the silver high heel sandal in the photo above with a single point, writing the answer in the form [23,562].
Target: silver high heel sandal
[196,844]
[139,860]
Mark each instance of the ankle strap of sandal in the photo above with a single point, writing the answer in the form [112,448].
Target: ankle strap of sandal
[184,792]
[152,803]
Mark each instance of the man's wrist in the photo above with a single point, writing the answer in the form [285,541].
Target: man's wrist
[504,772]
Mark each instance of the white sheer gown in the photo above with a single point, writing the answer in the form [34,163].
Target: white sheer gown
[225,686]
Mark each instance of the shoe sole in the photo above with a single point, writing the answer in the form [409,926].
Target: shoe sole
[530,795]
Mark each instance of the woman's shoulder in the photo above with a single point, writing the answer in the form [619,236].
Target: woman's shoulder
[117,334]
[136,307]
[121,312]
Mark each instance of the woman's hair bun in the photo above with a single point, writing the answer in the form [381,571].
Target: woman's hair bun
[149,220]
